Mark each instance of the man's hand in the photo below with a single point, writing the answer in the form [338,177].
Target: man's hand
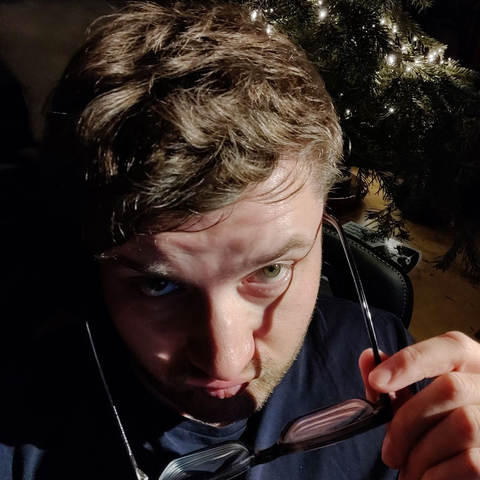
[436,433]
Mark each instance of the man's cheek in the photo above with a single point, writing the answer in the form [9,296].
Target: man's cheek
[297,306]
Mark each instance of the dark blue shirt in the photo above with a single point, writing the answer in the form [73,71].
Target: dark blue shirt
[56,422]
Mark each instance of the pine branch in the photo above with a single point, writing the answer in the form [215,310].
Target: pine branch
[421,4]
[389,224]
[464,242]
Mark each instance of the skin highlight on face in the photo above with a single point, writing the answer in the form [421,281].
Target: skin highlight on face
[215,314]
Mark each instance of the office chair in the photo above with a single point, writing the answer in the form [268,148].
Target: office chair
[386,285]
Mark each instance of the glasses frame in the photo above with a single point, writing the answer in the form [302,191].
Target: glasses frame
[382,411]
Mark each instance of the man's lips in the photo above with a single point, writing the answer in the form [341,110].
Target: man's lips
[219,389]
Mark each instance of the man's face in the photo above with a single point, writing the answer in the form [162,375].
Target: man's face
[216,313]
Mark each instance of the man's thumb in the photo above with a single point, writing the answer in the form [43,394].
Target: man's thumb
[366,363]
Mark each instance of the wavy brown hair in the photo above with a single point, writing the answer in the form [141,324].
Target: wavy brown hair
[172,111]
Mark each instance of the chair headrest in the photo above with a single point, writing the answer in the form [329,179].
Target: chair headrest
[386,285]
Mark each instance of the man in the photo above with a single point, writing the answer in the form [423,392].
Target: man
[196,145]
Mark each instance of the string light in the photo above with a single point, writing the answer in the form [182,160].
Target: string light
[320,2]
[394,29]
[383,21]
[269,29]
[391,110]
[408,69]
[391,59]
[348,112]
[415,39]
[254,15]
[323,13]
[404,48]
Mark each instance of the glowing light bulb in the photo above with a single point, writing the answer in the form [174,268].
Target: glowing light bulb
[415,39]
[320,2]
[394,29]
[391,110]
[323,13]
[383,21]
[271,10]
[404,48]
[408,69]
[391,59]
[269,29]
[348,111]
[254,15]
[431,58]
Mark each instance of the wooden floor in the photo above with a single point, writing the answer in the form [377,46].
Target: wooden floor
[444,301]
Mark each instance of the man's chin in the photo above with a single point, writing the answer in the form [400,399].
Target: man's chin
[215,407]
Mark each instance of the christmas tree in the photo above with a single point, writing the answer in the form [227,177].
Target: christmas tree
[411,117]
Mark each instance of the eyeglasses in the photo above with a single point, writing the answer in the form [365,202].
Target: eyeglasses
[320,428]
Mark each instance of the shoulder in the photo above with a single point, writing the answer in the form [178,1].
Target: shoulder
[326,369]
[339,321]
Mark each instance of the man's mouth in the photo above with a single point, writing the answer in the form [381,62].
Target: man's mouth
[219,389]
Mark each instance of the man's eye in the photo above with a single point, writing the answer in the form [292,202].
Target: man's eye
[273,273]
[156,287]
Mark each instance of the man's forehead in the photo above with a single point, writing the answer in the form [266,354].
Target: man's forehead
[253,223]
[276,201]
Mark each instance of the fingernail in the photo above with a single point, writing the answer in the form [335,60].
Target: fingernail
[381,376]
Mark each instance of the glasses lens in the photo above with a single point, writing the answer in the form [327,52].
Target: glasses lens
[325,422]
[220,462]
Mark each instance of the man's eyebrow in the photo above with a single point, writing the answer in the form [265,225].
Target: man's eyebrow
[161,269]
[295,243]
[158,269]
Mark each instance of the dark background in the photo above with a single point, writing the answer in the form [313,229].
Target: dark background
[455,23]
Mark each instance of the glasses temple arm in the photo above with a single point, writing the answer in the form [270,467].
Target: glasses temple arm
[367,316]
[140,475]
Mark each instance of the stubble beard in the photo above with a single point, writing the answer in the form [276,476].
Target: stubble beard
[196,404]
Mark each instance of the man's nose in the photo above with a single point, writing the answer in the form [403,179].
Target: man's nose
[223,343]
